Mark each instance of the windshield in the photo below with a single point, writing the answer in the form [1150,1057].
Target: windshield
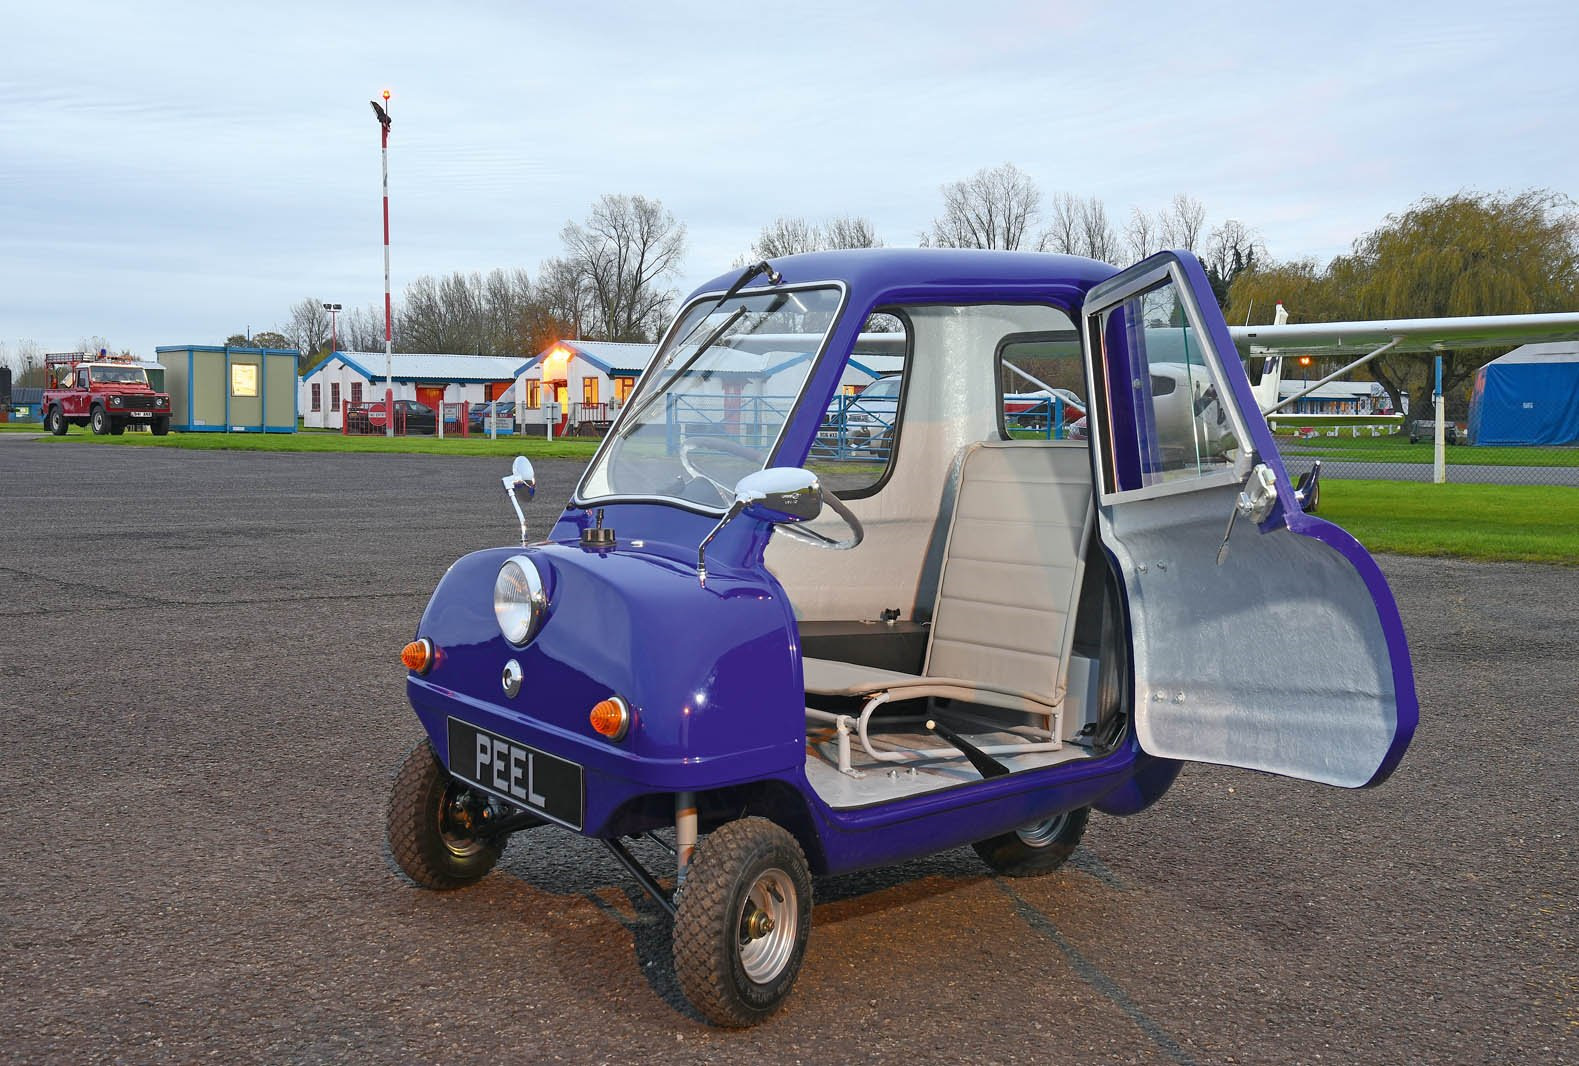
[710,408]
[119,375]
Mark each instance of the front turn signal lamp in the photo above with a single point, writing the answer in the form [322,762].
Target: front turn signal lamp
[419,656]
[611,718]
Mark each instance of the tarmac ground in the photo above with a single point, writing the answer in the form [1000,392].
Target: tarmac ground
[203,708]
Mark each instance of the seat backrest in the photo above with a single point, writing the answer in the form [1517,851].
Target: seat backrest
[1012,567]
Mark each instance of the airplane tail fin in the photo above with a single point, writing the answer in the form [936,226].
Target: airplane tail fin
[1265,390]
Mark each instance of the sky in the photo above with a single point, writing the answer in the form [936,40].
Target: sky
[175,173]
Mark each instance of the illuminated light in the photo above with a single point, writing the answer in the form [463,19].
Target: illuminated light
[1305,360]
[610,718]
[418,656]
[386,94]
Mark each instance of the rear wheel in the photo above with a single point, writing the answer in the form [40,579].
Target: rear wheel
[99,421]
[1038,848]
[55,422]
[742,918]
[435,825]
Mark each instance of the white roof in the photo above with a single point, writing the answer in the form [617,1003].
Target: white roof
[1543,352]
[413,366]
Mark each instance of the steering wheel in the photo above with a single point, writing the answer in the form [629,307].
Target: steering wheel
[790,529]
[715,444]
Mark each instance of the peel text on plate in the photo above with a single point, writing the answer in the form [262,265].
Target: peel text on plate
[507,768]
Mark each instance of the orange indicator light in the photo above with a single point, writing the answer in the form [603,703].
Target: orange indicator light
[418,656]
[611,718]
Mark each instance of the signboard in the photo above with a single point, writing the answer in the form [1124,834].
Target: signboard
[375,415]
[244,379]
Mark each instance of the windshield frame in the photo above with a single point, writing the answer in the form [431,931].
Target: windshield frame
[637,400]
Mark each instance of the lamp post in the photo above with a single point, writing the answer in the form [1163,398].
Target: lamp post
[389,327]
[334,333]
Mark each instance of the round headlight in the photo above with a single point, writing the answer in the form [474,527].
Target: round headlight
[518,599]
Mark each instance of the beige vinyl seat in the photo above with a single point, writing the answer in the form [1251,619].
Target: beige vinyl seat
[1003,620]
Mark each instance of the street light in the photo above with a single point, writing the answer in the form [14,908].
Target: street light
[334,333]
[389,327]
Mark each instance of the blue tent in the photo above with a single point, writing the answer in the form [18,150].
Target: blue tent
[1529,396]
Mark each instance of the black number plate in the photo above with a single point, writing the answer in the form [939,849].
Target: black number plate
[542,783]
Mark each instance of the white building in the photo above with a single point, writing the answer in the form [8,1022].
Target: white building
[358,377]
[589,380]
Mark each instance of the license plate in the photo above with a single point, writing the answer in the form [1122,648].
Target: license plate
[535,780]
[141,414]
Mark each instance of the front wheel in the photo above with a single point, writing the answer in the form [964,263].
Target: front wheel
[1038,848]
[160,427]
[99,421]
[55,422]
[742,918]
[435,825]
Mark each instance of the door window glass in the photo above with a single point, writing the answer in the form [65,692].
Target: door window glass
[855,443]
[1168,419]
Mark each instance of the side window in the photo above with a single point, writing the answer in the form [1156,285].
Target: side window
[1167,420]
[334,396]
[857,440]
[534,393]
[356,392]
[1042,385]
[589,390]
[317,396]
[82,379]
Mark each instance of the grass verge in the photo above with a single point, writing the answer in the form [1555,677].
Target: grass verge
[308,441]
[1397,449]
[1501,523]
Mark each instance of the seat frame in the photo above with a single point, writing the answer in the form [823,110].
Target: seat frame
[894,687]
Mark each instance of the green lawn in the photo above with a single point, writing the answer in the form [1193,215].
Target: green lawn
[1397,449]
[321,441]
[1518,523]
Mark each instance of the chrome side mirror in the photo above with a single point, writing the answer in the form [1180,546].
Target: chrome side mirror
[521,475]
[778,494]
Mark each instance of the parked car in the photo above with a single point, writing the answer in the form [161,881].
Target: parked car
[412,417]
[862,425]
[1005,636]
[1425,429]
[477,415]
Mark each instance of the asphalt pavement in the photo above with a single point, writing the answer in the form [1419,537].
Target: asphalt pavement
[202,704]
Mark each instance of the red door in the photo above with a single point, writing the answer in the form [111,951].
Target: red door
[428,397]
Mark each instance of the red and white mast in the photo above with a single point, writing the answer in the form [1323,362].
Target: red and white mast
[389,324]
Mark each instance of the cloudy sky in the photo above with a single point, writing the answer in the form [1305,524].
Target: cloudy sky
[173,173]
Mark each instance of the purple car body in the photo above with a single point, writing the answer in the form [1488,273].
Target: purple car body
[712,672]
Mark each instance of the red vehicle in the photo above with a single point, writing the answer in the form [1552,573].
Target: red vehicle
[103,393]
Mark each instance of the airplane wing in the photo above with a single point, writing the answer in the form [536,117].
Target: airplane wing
[1412,334]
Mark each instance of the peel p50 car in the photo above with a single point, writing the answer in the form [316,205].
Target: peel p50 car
[1006,635]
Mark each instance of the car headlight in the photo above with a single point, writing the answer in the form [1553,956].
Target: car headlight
[519,601]
[115,401]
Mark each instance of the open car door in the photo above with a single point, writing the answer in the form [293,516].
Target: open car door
[1281,650]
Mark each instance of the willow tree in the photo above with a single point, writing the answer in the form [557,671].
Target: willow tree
[1468,254]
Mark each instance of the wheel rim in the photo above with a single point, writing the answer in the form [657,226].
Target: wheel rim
[768,922]
[1040,834]
[458,818]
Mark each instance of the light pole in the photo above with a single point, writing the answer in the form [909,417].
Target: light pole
[389,326]
[334,333]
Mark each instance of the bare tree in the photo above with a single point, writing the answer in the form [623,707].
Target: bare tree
[792,236]
[1063,229]
[362,329]
[1143,235]
[1182,223]
[848,231]
[1231,249]
[627,252]
[786,236]
[308,330]
[562,297]
[1097,239]
[993,208]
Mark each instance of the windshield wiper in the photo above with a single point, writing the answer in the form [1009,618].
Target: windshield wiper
[631,419]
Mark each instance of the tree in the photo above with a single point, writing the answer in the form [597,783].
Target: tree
[1143,235]
[993,208]
[1466,254]
[362,329]
[1079,226]
[1182,222]
[266,339]
[308,330]
[792,236]
[626,253]
[562,306]
[1232,249]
